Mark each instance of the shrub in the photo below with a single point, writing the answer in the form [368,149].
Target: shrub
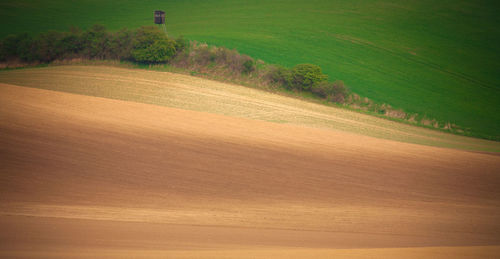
[121,44]
[248,65]
[26,49]
[230,59]
[322,89]
[97,42]
[152,46]
[180,44]
[305,76]
[9,47]
[235,61]
[202,54]
[338,92]
[278,75]
[334,92]
[223,56]
[47,46]
[72,43]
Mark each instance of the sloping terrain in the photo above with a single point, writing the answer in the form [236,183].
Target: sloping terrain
[102,178]
[435,58]
[191,93]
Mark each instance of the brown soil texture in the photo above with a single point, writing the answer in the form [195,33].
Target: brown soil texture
[99,178]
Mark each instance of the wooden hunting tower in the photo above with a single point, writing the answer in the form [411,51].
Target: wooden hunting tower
[159,17]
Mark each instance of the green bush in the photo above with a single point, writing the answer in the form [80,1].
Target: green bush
[151,45]
[305,76]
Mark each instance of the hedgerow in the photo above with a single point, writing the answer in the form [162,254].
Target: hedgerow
[150,45]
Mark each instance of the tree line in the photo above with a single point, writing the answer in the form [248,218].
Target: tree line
[146,44]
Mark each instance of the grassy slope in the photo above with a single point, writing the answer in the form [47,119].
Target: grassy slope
[192,93]
[440,59]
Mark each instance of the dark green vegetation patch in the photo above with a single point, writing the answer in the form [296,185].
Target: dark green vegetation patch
[440,59]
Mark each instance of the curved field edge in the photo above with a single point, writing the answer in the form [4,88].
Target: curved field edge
[198,94]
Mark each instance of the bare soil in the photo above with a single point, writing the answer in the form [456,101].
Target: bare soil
[93,177]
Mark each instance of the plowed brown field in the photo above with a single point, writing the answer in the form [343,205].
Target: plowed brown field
[90,177]
[197,94]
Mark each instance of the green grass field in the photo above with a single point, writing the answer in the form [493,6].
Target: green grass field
[440,59]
